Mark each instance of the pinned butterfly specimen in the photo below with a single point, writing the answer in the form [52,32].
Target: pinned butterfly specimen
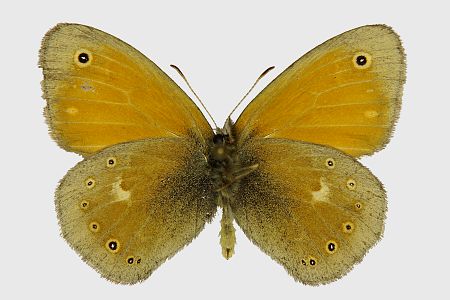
[155,172]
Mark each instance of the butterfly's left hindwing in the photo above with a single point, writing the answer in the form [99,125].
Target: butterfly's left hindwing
[312,208]
[130,207]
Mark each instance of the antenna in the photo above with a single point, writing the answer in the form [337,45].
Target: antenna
[257,80]
[192,90]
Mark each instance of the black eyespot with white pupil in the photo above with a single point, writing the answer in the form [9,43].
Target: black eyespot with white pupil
[130,260]
[361,60]
[330,163]
[312,262]
[112,245]
[83,58]
[111,162]
[331,247]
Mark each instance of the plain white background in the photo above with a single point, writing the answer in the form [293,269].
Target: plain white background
[222,48]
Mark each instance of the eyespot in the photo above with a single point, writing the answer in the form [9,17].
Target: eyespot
[94,227]
[304,262]
[330,163]
[112,245]
[362,60]
[312,261]
[111,162]
[84,204]
[347,227]
[358,205]
[331,247]
[138,260]
[351,184]
[83,58]
[90,183]
[130,260]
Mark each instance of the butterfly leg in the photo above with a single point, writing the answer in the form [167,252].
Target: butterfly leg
[241,173]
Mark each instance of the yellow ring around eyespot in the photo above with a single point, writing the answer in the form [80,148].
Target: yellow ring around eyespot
[345,226]
[76,58]
[84,205]
[111,162]
[351,184]
[107,245]
[327,247]
[90,183]
[330,163]
[94,227]
[368,60]
[130,260]
[312,261]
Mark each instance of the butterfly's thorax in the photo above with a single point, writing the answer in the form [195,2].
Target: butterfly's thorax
[223,161]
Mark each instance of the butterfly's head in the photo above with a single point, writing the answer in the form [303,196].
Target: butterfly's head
[220,138]
[222,147]
[220,144]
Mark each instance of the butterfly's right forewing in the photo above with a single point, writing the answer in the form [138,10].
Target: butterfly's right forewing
[100,91]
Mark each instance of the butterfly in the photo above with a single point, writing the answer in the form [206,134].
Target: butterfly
[155,172]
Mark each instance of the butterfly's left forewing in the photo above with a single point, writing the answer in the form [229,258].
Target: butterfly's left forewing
[312,208]
[130,207]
